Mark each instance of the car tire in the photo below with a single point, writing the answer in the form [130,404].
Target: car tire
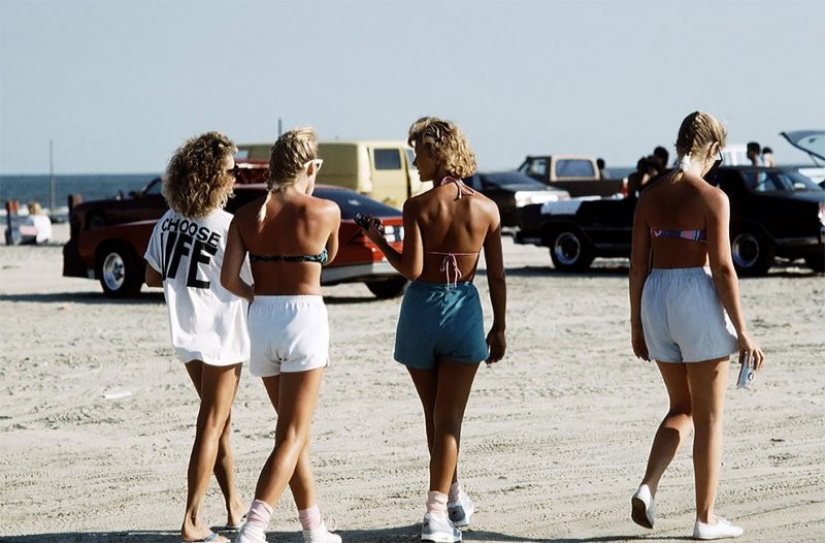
[119,271]
[387,288]
[816,263]
[570,251]
[753,254]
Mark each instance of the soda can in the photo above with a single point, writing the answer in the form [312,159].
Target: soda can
[746,373]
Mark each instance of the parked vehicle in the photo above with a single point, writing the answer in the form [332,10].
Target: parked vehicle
[578,175]
[775,212]
[146,203]
[511,191]
[813,143]
[382,170]
[114,254]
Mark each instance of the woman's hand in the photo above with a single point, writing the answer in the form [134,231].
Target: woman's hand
[497,344]
[749,349]
[637,339]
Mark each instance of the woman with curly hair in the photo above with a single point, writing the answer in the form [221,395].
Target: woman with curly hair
[440,332]
[288,235]
[208,323]
[686,315]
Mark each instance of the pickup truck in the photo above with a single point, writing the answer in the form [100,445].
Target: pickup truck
[578,175]
[775,212]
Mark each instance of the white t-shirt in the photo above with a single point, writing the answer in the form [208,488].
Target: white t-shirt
[207,322]
[44,229]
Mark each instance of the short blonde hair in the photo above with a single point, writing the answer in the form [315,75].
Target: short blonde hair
[445,141]
[34,208]
[287,158]
[196,181]
[698,130]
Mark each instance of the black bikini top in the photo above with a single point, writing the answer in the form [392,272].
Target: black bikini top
[321,258]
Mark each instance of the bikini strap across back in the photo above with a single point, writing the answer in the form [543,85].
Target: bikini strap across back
[450,263]
[462,188]
[321,258]
[691,235]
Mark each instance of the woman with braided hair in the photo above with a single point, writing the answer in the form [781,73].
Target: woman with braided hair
[686,315]
[288,235]
[440,334]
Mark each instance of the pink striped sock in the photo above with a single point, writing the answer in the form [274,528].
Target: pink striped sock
[455,488]
[310,518]
[260,513]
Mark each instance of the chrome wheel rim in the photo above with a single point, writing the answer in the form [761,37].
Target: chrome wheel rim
[745,250]
[567,248]
[113,271]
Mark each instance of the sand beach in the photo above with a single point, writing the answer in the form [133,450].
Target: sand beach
[97,416]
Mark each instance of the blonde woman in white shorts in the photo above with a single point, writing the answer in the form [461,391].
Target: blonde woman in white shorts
[207,322]
[685,314]
[288,236]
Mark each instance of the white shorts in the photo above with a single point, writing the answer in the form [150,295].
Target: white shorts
[289,334]
[683,319]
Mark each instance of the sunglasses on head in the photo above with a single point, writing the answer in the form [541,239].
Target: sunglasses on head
[234,172]
[316,164]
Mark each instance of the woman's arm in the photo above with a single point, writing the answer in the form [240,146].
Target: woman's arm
[724,274]
[639,270]
[494,259]
[233,260]
[410,262]
[152,277]
[334,214]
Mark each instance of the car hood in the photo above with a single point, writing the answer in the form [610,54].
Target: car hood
[810,141]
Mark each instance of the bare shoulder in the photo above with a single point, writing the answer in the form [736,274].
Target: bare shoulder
[248,211]
[324,207]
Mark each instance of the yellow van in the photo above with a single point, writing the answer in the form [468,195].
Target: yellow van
[382,170]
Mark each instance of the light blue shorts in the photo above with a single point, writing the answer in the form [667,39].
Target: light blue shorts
[683,319]
[289,334]
[440,322]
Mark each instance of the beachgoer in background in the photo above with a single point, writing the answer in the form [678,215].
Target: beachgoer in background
[603,173]
[662,154]
[647,168]
[440,332]
[289,236]
[767,158]
[754,152]
[207,322]
[39,225]
[686,315]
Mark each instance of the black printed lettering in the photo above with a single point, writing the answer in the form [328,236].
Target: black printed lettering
[201,254]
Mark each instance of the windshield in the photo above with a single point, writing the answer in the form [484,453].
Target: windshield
[778,181]
[810,141]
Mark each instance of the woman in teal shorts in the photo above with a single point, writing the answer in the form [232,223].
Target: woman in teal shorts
[440,335]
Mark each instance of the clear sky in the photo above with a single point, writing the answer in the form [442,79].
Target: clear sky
[119,85]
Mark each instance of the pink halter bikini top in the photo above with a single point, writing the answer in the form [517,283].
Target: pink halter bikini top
[450,262]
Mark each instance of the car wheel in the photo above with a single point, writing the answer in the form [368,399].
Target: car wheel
[752,253]
[816,263]
[570,251]
[388,288]
[119,271]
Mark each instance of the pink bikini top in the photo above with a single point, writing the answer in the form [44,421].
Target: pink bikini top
[450,262]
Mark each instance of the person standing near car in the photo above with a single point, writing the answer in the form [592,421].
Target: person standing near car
[440,332]
[288,235]
[207,322]
[686,315]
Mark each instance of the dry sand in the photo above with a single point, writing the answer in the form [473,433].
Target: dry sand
[554,443]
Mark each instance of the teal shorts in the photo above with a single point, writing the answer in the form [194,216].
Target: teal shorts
[440,322]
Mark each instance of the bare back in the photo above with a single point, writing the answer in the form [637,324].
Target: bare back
[682,202]
[296,225]
[451,225]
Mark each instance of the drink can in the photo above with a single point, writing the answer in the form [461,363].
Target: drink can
[747,373]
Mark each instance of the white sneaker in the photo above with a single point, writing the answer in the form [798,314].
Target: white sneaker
[643,510]
[439,529]
[460,511]
[251,534]
[320,535]
[721,530]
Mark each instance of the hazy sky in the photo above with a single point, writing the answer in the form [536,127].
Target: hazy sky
[119,85]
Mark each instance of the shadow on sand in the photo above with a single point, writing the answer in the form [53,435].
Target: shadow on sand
[404,534]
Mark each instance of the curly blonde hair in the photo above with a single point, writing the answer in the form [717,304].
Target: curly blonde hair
[698,130]
[287,158]
[445,141]
[196,181]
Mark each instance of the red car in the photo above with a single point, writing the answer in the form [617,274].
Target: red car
[114,254]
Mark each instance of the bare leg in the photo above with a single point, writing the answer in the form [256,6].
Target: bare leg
[674,428]
[297,396]
[708,381]
[444,394]
[216,387]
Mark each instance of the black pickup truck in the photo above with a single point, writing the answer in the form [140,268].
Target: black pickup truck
[775,212]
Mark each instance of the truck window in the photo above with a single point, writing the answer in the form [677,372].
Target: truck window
[575,168]
[534,167]
[387,159]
